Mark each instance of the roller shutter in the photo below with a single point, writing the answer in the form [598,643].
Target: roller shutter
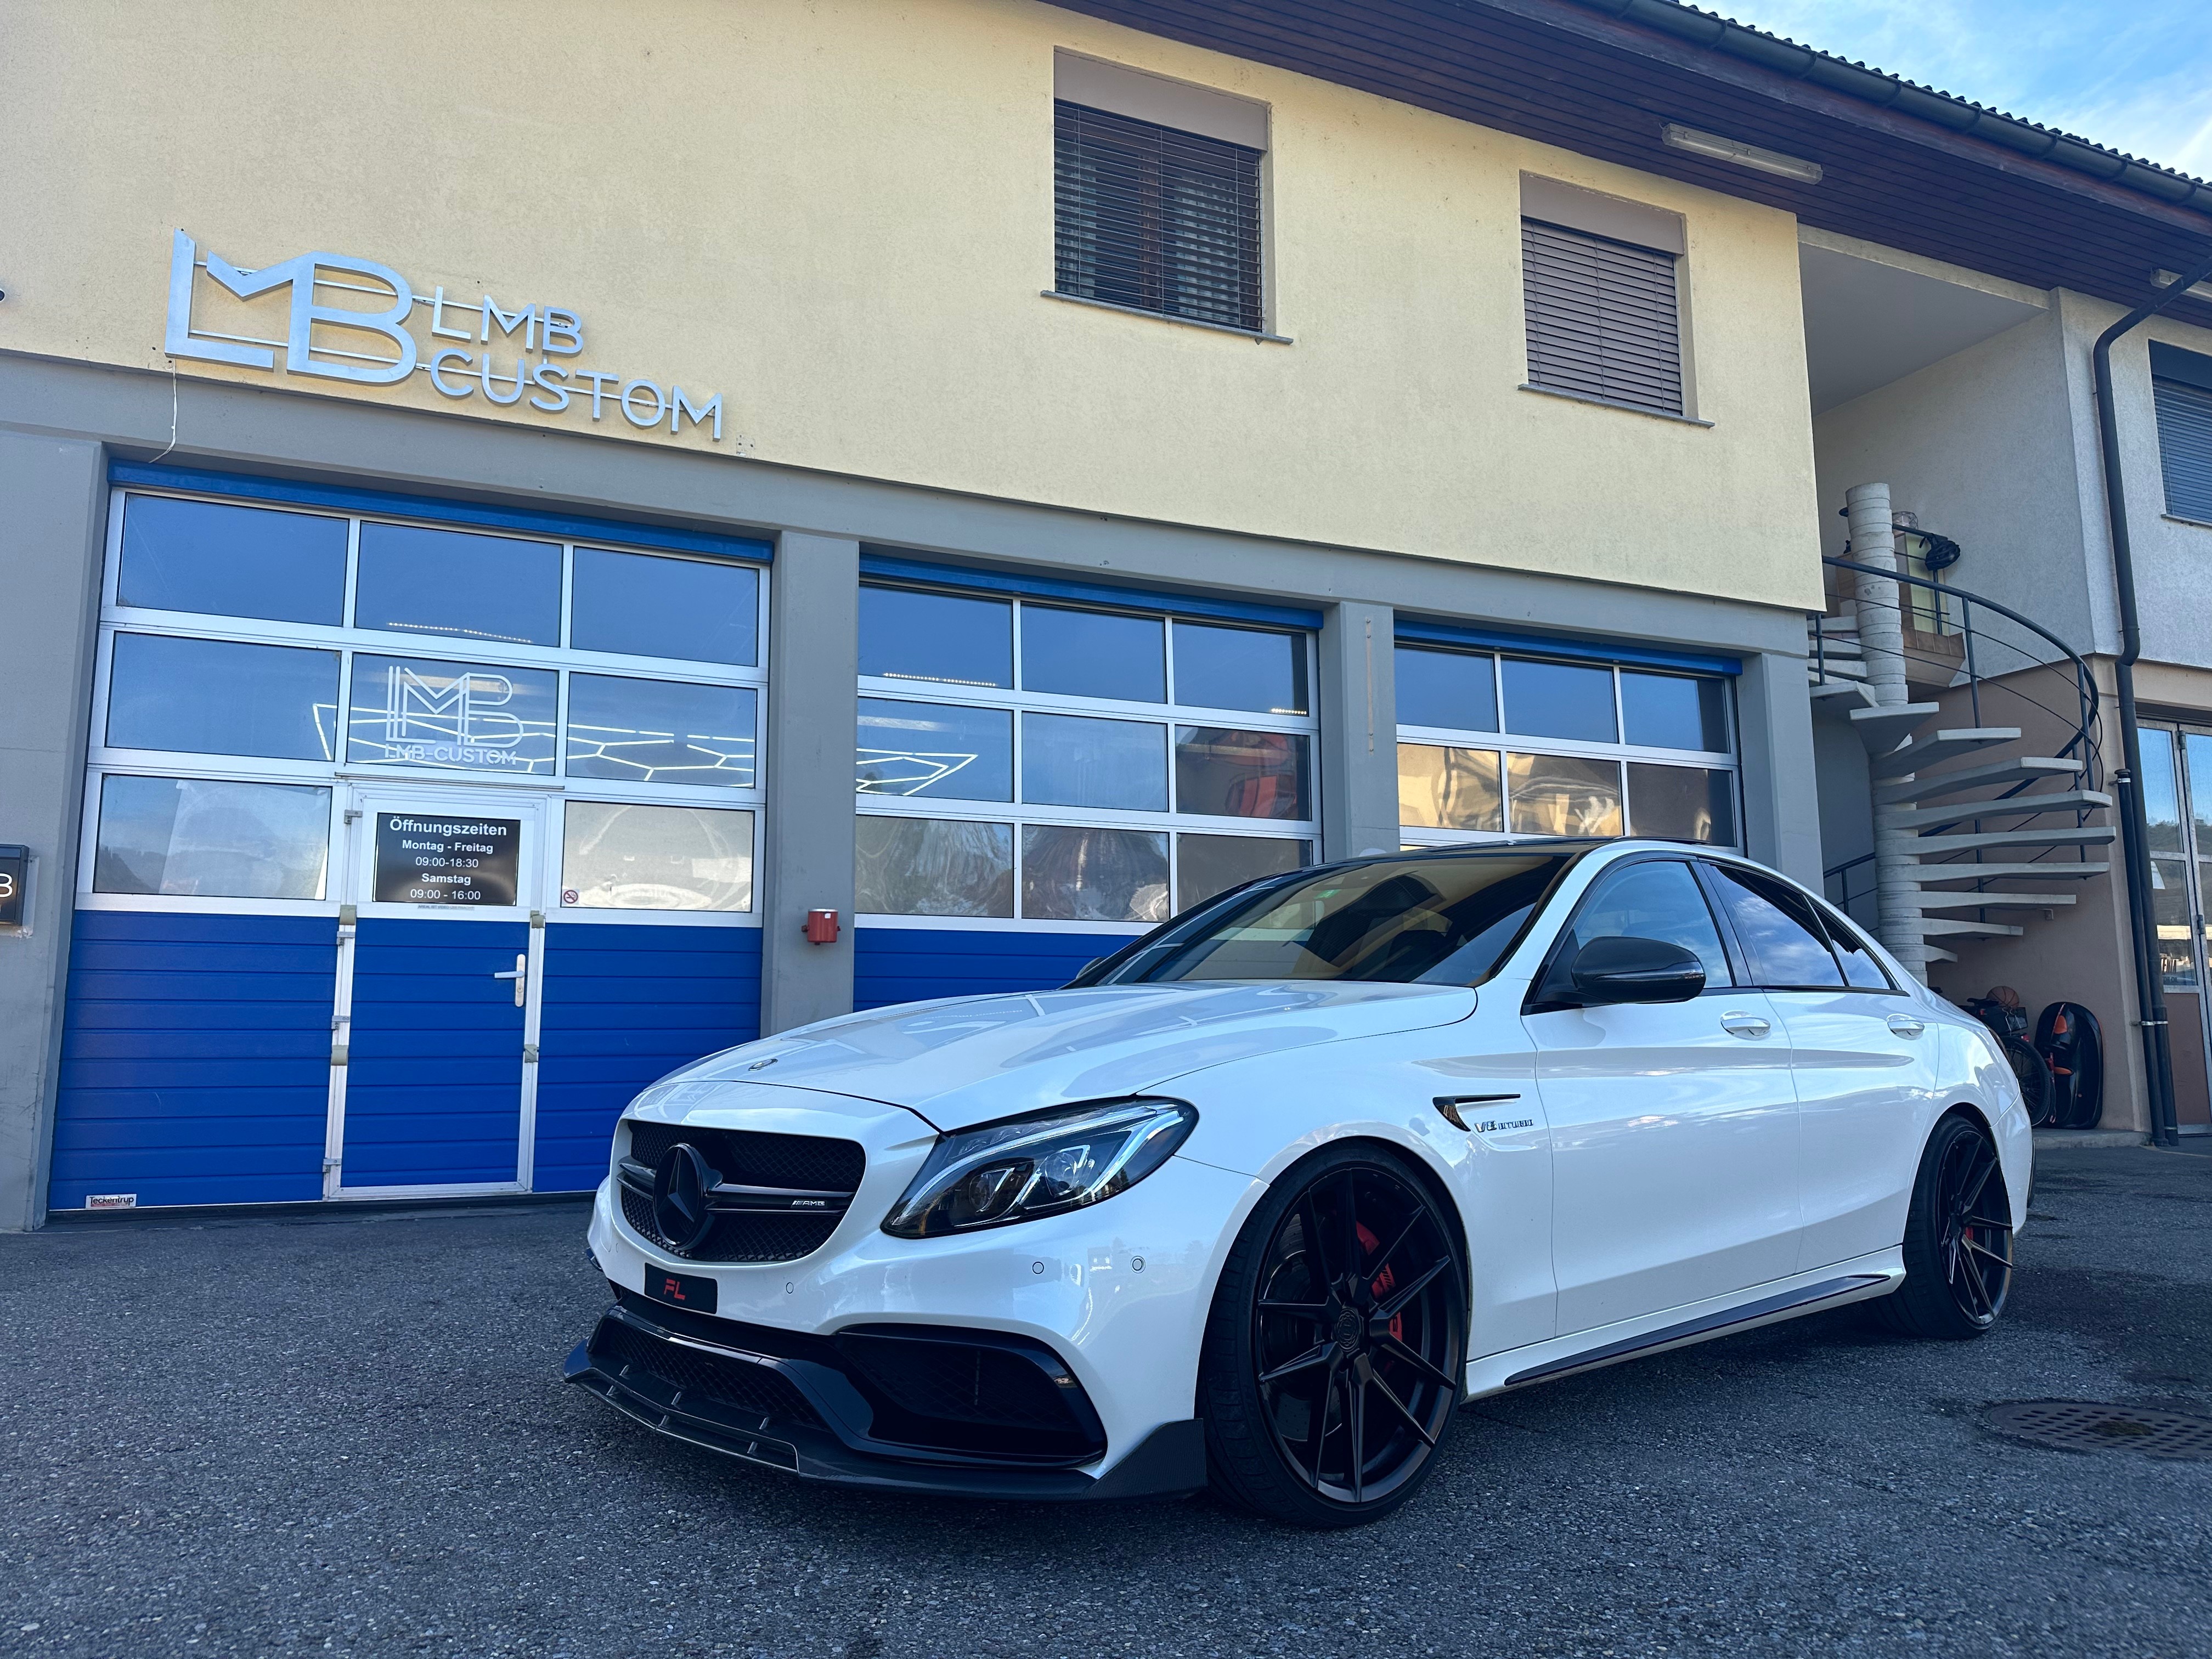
[1601,317]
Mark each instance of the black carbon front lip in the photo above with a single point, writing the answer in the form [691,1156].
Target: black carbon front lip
[1172,1459]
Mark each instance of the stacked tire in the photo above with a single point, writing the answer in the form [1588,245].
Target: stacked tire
[2072,1046]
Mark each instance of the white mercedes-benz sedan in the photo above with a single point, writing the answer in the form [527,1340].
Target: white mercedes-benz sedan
[1260,1199]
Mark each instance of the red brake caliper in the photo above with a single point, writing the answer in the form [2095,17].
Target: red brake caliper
[1368,1244]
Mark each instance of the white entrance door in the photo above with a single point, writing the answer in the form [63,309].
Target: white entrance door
[441,951]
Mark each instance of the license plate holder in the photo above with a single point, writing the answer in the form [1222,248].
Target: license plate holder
[674,1289]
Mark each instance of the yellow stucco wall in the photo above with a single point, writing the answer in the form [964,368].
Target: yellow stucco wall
[838,215]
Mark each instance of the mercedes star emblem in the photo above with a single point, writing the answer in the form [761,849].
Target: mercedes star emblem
[680,1186]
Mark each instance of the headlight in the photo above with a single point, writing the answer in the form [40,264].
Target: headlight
[1043,1164]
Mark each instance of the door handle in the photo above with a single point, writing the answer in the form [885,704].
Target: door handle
[1905,1026]
[520,976]
[1745,1025]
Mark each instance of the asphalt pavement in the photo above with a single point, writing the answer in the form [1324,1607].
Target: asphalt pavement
[348,1435]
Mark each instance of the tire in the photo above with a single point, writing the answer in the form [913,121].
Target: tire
[2069,1036]
[2039,1089]
[1958,1239]
[1342,1309]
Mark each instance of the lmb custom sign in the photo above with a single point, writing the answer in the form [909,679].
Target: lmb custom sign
[423,860]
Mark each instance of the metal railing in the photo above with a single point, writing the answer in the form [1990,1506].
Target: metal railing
[2075,710]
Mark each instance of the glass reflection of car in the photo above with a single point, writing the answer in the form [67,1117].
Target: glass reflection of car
[1262,1197]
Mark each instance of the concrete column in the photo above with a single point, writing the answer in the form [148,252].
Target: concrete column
[1881,637]
[51,538]
[1781,784]
[1357,708]
[814,610]
[1881,619]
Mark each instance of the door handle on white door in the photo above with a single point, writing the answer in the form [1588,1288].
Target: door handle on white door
[520,976]
[1745,1025]
[1905,1026]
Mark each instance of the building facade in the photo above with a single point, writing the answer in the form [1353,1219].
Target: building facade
[547,544]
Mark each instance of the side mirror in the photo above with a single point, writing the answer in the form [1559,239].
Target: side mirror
[1619,969]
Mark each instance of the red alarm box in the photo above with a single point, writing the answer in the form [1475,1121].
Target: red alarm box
[821,927]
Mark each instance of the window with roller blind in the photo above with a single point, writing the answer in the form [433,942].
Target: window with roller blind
[2181,390]
[1600,295]
[1157,195]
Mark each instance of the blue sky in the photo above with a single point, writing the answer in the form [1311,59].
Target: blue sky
[2136,77]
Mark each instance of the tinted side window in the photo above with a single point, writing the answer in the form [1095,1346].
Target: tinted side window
[1860,967]
[1658,900]
[1778,930]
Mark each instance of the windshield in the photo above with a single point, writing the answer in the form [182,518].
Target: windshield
[1432,921]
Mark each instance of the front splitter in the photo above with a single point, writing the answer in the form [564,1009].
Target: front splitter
[1170,1461]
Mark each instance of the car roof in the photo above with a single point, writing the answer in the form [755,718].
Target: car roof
[1576,847]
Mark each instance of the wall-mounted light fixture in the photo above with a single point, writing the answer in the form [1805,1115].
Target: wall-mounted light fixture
[1744,155]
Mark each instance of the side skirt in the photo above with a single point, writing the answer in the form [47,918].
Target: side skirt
[1609,1345]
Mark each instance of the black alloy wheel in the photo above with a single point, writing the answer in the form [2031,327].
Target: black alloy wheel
[1336,1351]
[1957,1238]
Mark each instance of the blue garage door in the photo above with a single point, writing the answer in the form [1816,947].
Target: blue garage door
[391,806]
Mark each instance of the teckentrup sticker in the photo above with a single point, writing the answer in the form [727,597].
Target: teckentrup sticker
[111,1201]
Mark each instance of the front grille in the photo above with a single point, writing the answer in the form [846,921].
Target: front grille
[746,1158]
[734,1383]
[738,1235]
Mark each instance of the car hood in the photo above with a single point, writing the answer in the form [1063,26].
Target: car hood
[969,1060]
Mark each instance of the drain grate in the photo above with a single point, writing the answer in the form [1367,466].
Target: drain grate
[2090,1425]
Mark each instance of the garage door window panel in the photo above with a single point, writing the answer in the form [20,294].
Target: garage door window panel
[660,731]
[1682,803]
[498,589]
[644,605]
[1218,667]
[1592,749]
[934,749]
[934,867]
[1107,792]
[1089,654]
[939,639]
[1452,691]
[625,856]
[451,716]
[210,838]
[220,560]
[1209,865]
[1441,788]
[1074,874]
[1071,761]
[1241,774]
[1563,795]
[1675,711]
[222,697]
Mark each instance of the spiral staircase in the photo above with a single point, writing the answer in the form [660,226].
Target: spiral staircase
[1975,832]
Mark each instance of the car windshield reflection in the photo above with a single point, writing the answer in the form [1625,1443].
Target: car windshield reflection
[1430,920]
